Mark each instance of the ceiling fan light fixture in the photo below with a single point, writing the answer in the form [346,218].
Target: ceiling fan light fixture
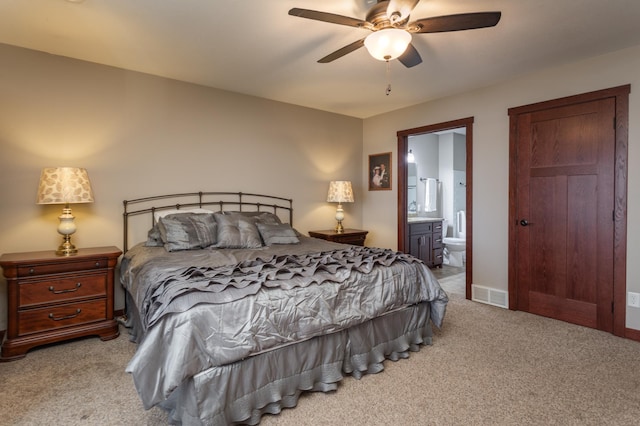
[387,44]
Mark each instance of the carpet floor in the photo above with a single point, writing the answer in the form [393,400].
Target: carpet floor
[487,365]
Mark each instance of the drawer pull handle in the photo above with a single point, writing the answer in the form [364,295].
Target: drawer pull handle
[65,317]
[69,290]
[97,264]
[439,240]
[32,271]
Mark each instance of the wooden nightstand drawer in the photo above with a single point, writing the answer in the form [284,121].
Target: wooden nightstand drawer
[357,240]
[52,317]
[349,236]
[59,268]
[52,298]
[62,289]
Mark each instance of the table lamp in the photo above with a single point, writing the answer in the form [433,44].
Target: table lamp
[340,191]
[65,185]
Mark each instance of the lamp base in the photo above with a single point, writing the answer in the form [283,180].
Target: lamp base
[66,248]
[339,219]
[66,228]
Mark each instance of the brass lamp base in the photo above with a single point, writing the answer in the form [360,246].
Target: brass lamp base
[339,219]
[66,248]
[66,228]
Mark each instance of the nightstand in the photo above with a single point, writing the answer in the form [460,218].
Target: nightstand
[52,298]
[349,236]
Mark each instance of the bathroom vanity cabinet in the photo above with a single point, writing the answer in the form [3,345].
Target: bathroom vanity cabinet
[425,242]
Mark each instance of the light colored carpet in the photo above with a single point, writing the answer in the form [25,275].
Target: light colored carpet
[486,366]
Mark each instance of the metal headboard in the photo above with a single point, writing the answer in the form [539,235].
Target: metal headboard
[220,201]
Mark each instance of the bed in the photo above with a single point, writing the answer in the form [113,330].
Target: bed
[236,313]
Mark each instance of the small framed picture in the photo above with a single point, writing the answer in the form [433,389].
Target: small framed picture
[380,172]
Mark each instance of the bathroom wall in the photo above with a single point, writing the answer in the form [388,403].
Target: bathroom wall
[426,151]
[459,178]
[441,156]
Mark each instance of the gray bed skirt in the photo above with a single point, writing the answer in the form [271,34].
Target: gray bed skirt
[268,382]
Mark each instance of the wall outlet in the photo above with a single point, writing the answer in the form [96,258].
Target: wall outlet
[633,299]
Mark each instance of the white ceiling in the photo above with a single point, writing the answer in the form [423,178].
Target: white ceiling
[254,47]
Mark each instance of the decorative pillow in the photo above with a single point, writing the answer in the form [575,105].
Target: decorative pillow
[264,217]
[162,213]
[188,231]
[277,234]
[154,239]
[237,231]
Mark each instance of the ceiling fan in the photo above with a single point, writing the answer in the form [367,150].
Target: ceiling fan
[391,29]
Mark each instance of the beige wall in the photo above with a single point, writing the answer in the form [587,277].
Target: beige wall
[491,156]
[139,135]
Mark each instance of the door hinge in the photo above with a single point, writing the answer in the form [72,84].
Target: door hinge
[613,215]
[612,311]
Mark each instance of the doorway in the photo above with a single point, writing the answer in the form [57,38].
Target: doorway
[567,233]
[409,203]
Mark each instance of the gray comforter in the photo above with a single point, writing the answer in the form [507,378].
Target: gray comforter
[204,308]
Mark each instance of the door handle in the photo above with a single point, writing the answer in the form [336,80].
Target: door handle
[524,222]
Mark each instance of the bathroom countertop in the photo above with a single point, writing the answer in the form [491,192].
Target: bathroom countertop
[416,219]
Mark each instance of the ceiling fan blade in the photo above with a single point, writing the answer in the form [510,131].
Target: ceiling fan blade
[399,10]
[341,52]
[463,21]
[330,17]
[410,57]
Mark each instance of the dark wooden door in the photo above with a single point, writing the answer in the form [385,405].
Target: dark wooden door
[565,212]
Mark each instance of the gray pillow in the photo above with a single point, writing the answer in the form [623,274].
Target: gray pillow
[188,231]
[263,217]
[237,231]
[154,239]
[277,234]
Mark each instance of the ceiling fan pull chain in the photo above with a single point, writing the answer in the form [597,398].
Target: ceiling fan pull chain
[388,77]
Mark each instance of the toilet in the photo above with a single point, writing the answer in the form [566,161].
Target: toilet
[455,247]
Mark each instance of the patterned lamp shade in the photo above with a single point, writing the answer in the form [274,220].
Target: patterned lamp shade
[340,191]
[64,185]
